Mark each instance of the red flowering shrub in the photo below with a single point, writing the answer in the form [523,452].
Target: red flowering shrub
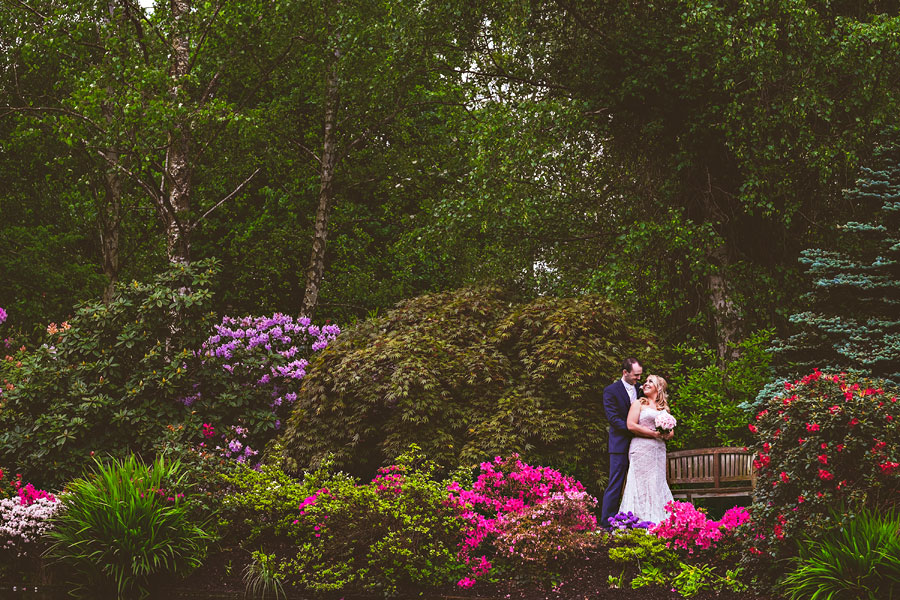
[826,440]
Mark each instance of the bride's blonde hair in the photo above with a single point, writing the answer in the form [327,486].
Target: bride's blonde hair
[662,399]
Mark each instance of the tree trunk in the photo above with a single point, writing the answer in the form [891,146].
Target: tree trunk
[724,314]
[109,218]
[109,208]
[176,186]
[316,267]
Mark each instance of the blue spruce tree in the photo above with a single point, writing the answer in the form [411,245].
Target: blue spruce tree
[853,317]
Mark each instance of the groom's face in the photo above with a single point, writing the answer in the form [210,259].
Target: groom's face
[633,376]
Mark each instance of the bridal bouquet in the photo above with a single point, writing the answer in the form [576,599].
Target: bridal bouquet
[665,422]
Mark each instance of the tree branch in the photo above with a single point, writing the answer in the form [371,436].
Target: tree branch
[204,34]
[26,109]
[228,197]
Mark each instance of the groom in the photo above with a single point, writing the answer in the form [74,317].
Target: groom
[617,399]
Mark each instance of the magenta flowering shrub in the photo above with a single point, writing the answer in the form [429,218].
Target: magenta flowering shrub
[521,516]
[249,374]
[689,529]
[826,440]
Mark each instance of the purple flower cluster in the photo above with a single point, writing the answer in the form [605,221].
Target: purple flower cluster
[3,315]
[249,374]
[627,520]
[236,447]
[274,343]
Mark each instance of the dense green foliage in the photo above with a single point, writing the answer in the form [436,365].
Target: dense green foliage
[637,178]
[851,319]
[468,375]
[333,533]
[124,527]
[673,156]
[710,399]
[107,380]
[824,440]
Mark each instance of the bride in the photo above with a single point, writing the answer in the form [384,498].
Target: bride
[646,492]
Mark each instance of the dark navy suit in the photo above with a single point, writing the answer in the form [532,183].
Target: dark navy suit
[616,404]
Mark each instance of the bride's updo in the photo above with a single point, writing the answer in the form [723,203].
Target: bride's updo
[662,399]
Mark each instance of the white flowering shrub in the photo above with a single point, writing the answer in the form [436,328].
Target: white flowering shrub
[23,525]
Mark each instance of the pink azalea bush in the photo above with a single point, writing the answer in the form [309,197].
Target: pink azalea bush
[689,529]
[522,517]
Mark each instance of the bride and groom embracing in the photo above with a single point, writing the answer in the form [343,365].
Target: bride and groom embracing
[637,445]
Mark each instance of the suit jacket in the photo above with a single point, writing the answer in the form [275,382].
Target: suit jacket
[616,404]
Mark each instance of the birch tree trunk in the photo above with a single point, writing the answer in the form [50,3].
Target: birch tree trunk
[316,267]
[176,185]
[109,207]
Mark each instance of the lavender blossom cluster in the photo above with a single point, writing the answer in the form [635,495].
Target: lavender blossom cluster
[249,374]
[628,520]
[278,343]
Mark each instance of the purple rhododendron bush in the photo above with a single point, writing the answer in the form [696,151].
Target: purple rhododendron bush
[112,378]
[827,441]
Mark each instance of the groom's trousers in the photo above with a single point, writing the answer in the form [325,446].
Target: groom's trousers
[618,469]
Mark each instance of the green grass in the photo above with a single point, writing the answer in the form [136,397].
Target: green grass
[123,526]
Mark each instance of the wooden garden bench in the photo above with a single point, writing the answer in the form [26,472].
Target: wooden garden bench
[710,473]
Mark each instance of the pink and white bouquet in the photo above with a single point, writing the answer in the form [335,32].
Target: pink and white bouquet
[665,422]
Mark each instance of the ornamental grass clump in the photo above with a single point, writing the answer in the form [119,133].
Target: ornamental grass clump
[858,558]
[827,439]
[523,518]
[124,527]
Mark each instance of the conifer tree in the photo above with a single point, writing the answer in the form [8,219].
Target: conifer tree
[853,317]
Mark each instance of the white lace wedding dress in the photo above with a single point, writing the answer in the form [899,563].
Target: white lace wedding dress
[646,491]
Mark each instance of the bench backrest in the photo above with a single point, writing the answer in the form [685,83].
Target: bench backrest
[709,466]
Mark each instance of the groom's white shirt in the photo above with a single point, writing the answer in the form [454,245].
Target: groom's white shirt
[632,391]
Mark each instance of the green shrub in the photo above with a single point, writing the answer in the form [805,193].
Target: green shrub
[826,439]
[468,374]
[124,526]
[331,533]
[858,558]
[640,547]
[648,560]
[261,506]
[710,398]
[108,380]
[203,471]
